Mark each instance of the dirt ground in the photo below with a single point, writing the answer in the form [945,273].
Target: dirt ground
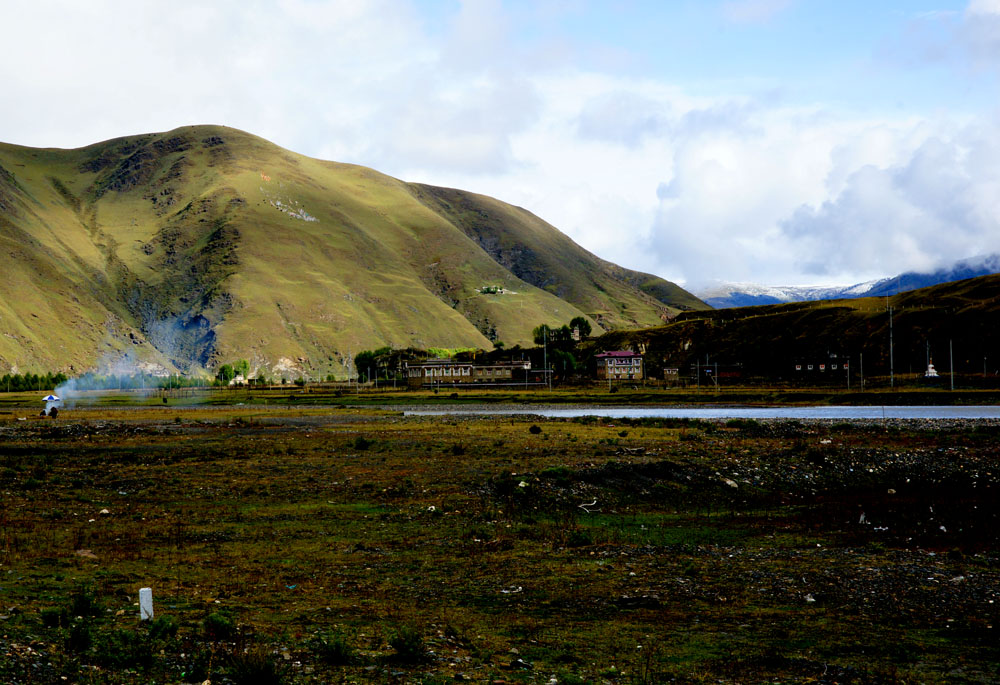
[357,545]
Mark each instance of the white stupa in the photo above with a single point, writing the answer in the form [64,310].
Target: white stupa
[931,371]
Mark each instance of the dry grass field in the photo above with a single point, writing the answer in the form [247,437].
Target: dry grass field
[338,544]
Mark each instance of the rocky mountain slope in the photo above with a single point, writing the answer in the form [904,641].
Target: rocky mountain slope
[186,249]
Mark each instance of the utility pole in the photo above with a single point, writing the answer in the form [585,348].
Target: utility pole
[951,364]
[862,370]
[892,378]
[545,356]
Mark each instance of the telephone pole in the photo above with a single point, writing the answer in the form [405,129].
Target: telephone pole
[951,365]
[892,378]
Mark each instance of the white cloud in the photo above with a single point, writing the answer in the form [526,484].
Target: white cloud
[983,7]
[753,11]
[644,173]
[622,117]
[938,206]
[960,39]
[980,32]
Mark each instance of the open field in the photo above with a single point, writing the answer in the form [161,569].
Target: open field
[339,544]
[345,395]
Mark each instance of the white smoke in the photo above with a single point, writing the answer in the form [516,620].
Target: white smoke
[113,372]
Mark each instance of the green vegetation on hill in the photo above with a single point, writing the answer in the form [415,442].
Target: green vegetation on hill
[537,253]
[204,244]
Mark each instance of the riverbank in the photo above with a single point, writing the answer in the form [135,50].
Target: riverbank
[339,396]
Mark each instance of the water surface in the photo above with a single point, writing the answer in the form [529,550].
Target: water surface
[949,412]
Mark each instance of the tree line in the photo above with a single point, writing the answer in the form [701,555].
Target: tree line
[556,346]
[92,381]
[31,381]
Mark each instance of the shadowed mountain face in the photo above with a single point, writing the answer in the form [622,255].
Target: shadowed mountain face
[205,244]
[952,323]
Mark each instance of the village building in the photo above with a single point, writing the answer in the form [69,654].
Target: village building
[449,371]
[619,365]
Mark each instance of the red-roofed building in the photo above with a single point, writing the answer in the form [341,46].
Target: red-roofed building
[619,365]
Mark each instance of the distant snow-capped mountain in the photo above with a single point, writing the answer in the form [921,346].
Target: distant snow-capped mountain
[725,295]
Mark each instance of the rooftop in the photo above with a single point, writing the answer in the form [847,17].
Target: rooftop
[618,353]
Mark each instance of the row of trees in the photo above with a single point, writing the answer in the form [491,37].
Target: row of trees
[386,363]
[228,372]
[92,381]
[31,381]
[547,335]
[561,344]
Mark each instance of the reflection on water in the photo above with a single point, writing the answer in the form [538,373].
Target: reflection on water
[974,412]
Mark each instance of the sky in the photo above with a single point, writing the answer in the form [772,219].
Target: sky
[780,142]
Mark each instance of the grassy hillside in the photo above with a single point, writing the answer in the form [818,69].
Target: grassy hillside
[542,256]
[956,320]
[205,244]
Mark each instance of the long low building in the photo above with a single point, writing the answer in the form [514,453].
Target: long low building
[449,371]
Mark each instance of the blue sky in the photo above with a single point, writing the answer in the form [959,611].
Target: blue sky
[775,141]
[863,55]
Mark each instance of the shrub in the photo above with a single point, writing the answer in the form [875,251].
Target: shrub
[121,649]
[84,603]
[80,638]
[163,628]
[557,473]
[54,618]
[218,626]
[255,665]
[198,666]
[534,430]
[408,643]
[361,443]
[334,649]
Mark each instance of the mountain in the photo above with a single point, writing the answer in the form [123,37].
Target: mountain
[726,295]
[205,244]
[959,271]
[950,322]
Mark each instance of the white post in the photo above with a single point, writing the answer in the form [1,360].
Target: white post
[145,604]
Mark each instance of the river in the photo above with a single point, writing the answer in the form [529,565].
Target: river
[868,413]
